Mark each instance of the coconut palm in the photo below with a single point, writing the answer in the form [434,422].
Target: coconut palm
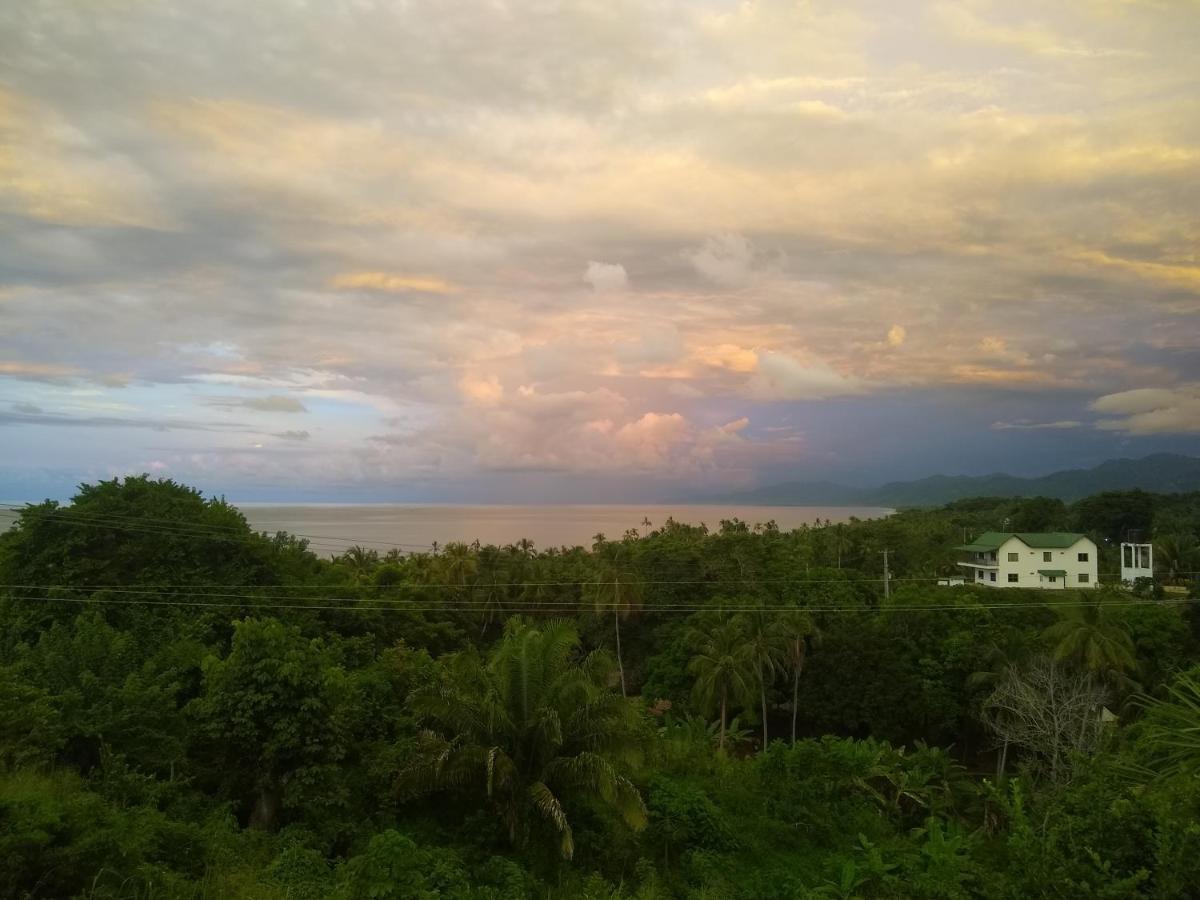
[722,664]
[533,728]
[458,564]
[490,588]
[616,589]
[798,629]
[767,644]
[359,562]
[1177,555]
[1172,729]
[1085,636]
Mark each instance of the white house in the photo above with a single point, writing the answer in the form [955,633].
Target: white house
[1049,560]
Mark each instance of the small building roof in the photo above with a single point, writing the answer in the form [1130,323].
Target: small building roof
[1037,540]
[1053,573]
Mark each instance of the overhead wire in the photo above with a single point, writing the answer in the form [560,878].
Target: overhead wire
[534,608]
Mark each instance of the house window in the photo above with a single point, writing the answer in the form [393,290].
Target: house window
[1046,556]
[1083,557]
[1052,578]
[1014,557]
[1083,577]
[1013,577]
[992,576]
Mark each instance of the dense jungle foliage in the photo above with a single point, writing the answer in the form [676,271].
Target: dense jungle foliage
[188,709]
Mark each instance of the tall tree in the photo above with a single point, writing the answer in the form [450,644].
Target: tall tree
[616,589]
[722,665]
[798,629]
[534,728]
[1177,555]
[1050,711]
[1084,635]
[272,712]
[767,644]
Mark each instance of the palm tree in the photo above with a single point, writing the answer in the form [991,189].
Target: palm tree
[1085,636]
[360,563]
[617,588]
[1177,555]
[798,628]
[491,586]
[457,566]
[1173,727]
[767,646]
[722,665]
[534,727]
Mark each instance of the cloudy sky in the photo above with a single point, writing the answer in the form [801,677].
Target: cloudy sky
[598,250]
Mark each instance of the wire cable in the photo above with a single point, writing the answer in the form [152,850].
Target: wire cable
[515,608]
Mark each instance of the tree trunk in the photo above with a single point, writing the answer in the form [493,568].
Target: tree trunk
[1002,762]
[722,742]
[265,814]
[798,655]
[620,665]
[795,700]
[762,686]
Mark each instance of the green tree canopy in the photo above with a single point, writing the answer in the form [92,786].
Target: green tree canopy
[533,729]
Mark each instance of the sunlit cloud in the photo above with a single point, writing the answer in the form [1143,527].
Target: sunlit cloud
[615,236]
[392,283]
[1151,410]
[606,277]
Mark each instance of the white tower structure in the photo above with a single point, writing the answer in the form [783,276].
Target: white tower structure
[1137,561]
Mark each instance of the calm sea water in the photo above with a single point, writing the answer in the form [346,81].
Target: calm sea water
[332,528]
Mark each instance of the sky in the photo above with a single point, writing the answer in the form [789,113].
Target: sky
[593,251]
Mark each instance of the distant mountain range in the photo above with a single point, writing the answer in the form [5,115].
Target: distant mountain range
[1165,473]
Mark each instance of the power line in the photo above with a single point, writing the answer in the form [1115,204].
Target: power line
[423,585]
[512,608]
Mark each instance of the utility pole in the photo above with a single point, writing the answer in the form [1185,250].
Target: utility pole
[887,579]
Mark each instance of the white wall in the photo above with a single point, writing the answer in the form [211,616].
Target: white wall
[1029,561]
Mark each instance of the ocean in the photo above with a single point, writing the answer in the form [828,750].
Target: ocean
[333,528]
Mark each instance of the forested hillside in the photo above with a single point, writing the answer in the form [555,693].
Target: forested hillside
[1160,472]
[188,709]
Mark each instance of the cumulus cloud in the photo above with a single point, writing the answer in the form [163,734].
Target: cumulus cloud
[390,220]
[728,356]
[727,259]
[485,390]
[658,344]
[606,277]
[781,376]
[1151,410]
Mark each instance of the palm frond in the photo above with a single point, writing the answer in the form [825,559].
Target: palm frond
[552,812]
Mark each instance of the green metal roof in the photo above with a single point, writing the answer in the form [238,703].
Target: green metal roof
[1053,573]
[1037,540]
